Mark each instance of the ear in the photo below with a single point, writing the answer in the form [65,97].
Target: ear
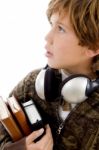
[92,53]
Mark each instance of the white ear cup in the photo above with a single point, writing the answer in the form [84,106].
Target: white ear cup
[73,91]
[39,84]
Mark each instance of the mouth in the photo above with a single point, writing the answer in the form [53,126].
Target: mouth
[48,52]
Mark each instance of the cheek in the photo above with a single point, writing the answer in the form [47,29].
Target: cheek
[64,50]
[66,47]
[64,44]
[68,55]
[60,47]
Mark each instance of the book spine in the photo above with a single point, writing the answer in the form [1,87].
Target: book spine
[22,121]
[12,128]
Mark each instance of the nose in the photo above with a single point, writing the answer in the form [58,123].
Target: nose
[49,37]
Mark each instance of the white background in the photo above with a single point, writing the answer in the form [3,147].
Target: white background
[23,26]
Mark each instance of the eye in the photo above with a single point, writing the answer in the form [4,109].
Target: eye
[50,22]
[61,29]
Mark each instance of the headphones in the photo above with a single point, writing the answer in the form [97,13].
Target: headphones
[74,89]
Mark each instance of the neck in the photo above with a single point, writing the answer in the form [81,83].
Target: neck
[81,69]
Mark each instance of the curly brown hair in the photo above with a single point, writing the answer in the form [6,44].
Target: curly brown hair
[84,18]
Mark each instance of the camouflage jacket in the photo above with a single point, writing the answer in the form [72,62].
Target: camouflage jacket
[81,127]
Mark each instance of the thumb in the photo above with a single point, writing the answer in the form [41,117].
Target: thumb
[30,138]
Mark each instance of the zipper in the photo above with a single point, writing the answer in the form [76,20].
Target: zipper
[62,123]
[60,128]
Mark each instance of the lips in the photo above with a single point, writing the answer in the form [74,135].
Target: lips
[48,52]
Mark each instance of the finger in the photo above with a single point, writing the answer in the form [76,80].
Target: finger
[47,138]
[48,129]
[34,135]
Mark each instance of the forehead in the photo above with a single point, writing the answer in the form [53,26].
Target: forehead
[54,17]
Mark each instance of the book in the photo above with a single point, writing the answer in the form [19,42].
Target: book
[19,115]
[20,119]
[8,122]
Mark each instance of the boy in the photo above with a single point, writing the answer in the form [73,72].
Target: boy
[72,48]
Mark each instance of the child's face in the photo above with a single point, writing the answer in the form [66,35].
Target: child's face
[62,48]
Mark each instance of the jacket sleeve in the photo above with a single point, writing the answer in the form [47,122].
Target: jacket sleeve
[4,137]
[20,91]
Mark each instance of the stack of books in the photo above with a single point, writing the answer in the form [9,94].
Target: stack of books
[13,118]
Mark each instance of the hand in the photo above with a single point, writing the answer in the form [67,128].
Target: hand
[45,143]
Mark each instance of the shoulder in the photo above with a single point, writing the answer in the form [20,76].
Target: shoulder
[31,75]
[25,84]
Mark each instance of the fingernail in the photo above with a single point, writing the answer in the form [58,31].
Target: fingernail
[47,125]
[41,130]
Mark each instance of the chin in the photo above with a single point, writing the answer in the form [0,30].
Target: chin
[54,66]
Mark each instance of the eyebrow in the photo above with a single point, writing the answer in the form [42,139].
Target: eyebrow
[64,25]
[51,22]
[59,22]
